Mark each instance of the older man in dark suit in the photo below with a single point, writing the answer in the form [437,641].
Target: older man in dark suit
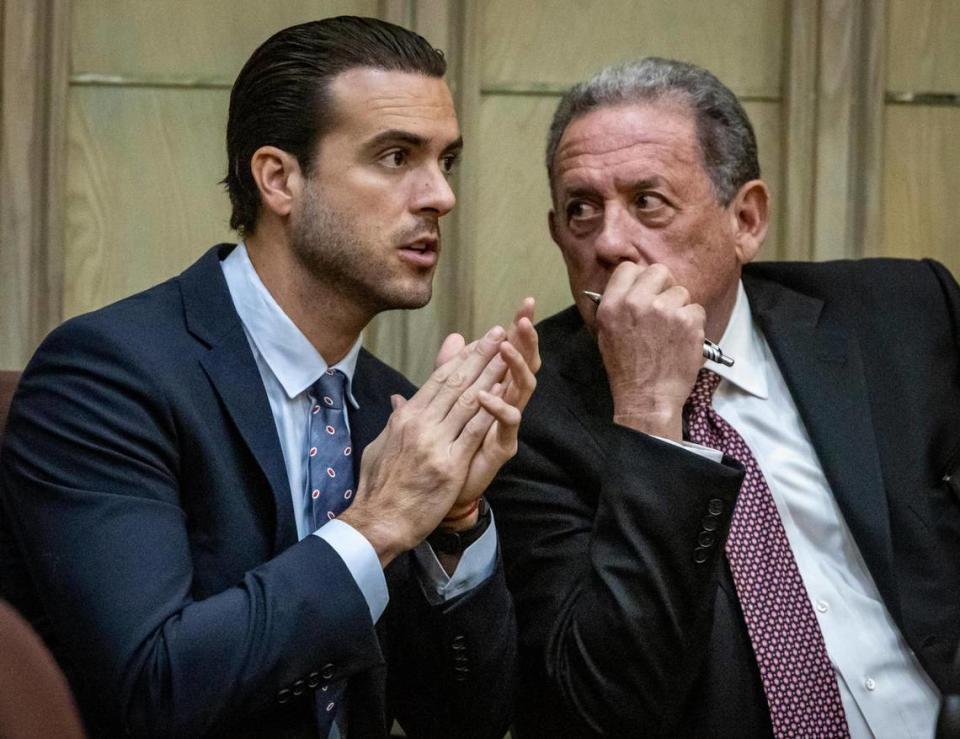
[216,503]
[697,549]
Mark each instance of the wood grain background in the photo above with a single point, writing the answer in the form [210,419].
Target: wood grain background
[113,115]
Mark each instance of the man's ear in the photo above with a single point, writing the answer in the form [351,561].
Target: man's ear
[750,211]
[278,177]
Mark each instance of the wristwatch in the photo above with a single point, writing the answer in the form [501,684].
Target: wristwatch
[455,542]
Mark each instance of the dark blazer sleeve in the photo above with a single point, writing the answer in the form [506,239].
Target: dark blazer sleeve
[93,471]
[612,540]
[452,666]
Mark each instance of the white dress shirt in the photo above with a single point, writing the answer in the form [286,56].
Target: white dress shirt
[289,365]
[884,690]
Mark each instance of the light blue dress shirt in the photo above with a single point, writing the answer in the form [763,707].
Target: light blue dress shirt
[289,364]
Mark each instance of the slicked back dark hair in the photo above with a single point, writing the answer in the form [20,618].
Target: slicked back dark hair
[282,95]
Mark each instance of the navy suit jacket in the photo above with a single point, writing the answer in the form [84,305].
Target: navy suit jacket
[624,631]
[147,531]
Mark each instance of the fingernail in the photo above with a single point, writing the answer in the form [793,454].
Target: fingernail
[495,333]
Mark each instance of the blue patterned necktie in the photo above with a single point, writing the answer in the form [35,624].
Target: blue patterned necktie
[329,454]
[329,492]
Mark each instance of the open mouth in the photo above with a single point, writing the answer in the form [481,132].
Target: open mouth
[422,252]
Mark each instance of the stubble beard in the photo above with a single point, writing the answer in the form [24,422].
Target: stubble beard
[339,257]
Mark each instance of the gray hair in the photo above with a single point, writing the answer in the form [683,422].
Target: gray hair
[726,138]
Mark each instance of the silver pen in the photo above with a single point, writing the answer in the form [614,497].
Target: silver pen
[711,351]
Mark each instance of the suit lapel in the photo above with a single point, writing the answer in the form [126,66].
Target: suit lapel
[232,370]
[581,364]
[819,356]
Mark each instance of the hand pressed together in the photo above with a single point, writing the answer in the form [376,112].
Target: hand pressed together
[441,448]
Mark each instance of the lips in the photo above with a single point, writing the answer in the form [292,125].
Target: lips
[421,252]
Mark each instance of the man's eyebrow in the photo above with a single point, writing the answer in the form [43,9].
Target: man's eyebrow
[645,183]
[399,136]
[454,147]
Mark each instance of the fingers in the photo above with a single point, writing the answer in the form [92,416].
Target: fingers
[496,413]
[522,380]
[448,382]
[525,310]
[628,277]
[633,282]
[507,418]
[523,335]
[467,405]
[449,349]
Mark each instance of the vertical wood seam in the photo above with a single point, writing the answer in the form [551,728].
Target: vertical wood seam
[867,171]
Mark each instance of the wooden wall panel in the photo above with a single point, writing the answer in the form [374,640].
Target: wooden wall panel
[924,46]
[559,42]
[142,195]
[514,254]
[921,177]
[33,82]
[184,38]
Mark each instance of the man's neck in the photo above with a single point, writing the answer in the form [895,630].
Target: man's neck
[328,319]
[718,315]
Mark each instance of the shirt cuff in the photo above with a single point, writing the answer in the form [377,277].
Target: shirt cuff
[714,455]
[361,559]
[477,563]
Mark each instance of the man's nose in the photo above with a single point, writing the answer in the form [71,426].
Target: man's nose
[618,238]
[433,193]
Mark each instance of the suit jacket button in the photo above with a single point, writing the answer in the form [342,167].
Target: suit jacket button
[715,506]
[327,672]
[313,680]
[701,555]
[710,523]
[298,687]
[459,642]
[284,695]
[706,539]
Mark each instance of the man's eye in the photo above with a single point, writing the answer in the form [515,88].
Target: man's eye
[579,210]
[448,163]
[394,159]
[648,201]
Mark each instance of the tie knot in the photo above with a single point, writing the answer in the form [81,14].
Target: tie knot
[330,388]
[703,389]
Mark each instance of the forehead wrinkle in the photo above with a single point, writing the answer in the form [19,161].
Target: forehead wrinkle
[623,165]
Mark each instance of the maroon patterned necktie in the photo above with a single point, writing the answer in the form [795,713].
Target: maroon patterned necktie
[797,677]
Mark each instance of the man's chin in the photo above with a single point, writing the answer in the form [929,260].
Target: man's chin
[407,299]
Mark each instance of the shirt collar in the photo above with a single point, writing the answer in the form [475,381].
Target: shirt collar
[743,341]
[287,352]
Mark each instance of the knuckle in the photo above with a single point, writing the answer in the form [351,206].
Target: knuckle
[456,379]
[469,399]
[658,270]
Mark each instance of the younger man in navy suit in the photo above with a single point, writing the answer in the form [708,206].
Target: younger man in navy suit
[216,503]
